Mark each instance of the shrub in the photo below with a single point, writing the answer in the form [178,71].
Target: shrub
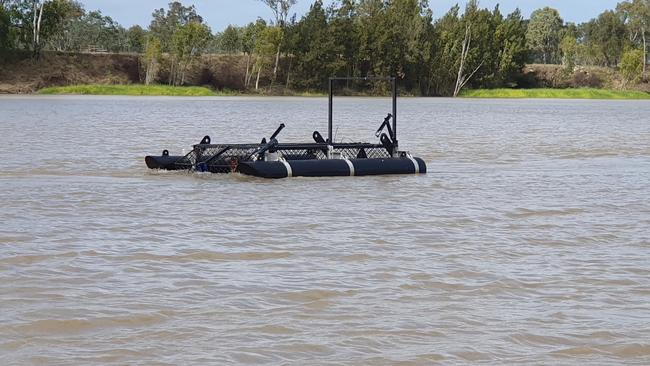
[632,66]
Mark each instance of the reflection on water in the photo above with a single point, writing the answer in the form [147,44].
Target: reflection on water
[526,243]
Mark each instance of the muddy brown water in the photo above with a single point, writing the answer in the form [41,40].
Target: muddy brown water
[527,243]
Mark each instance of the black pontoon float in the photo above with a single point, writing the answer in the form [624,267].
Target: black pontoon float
[321,158]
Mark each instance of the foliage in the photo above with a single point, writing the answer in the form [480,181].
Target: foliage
[636,16]
[607,35]
[230,41]
[165,23]
[632,66]
[136,39]
[569,48]
[152,58]
[93,30]
[188,44]
[266,44]
[312,48]
[543,34]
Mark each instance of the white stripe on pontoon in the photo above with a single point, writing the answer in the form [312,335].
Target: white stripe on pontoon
[289,170]
[352,172]
[417,166]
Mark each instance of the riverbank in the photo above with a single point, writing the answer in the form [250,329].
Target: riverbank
[545,93]
[133,90]
[161,90]
[196,91]
[225,75]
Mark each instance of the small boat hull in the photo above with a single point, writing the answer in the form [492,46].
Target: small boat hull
[333,167]
[168,162]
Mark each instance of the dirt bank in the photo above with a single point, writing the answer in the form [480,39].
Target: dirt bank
[20,74]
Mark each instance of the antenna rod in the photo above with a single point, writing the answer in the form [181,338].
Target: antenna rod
[394,82]
[329,126]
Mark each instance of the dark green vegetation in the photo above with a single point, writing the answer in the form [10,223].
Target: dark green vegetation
[471,48]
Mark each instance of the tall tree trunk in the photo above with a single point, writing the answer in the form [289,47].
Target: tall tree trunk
[248,62]
[35,10]
[36,26]
[462,78]
[467,41]
[257,82]
[172,71]
[289,72]
[645,51]
[277,61]
[150,71]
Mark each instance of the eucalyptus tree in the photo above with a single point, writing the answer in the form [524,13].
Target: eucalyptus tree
[230,40]
[280,10]
[569,48]
[136,39]
[607,35]
[152,57]
[265,46]
[188,44]
[38,20]
[165,22]
[250,35]
[544,33]
[636,15]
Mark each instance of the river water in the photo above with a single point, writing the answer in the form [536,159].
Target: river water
[527,243]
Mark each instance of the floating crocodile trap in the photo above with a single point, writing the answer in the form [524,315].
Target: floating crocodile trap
[320,158]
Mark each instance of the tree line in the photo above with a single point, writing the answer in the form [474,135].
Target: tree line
[469,47]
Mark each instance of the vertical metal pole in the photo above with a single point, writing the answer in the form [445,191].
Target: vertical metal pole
[394,80]
[329,126]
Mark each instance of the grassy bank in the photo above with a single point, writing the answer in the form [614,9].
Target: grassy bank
[134,90]
[584,93]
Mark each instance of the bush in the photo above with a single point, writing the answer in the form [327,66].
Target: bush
[632,66]
[585,79]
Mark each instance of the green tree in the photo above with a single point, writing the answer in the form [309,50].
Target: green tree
[607,34]
[38,21]
[569,48]
[250,35]
[230,41]
[343,29]
[632,66]
[280,9]
[136,39]
[152,57]
[165,23]
[315,50]
[103,32]
[636,15]
[188,44]
[510,37]
[405,43]
[446,51]
[543,34]
[265,47]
